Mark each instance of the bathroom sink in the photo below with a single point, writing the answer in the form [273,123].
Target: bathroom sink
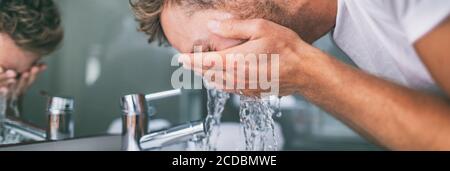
[228,141]
[97,143]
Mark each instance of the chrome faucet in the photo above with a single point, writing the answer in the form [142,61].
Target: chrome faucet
[134,121]
[59,126]
[182,133]
[27,131]
[135,136]
[59,114]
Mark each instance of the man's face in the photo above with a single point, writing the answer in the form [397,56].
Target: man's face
[13,57]
[308,18]
[185,31]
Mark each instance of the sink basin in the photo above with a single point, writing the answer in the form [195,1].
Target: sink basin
[98,143]
[228,141]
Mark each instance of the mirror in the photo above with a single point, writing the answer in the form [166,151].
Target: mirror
[102,58]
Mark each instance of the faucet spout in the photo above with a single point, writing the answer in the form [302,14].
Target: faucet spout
[171,136]
[27,130]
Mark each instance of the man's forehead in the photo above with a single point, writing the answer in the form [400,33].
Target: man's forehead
[182,31]
[13,57]
[185,31]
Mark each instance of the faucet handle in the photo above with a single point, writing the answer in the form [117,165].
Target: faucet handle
[134,120]
[60,123]
[163,94]
[157,96]
[58,105]
[134,104]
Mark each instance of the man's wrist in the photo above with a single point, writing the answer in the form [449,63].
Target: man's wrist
[313,65]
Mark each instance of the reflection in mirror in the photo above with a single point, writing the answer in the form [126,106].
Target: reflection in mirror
[101,58]
[29,30]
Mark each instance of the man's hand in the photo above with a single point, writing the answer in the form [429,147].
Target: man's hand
[27,79]
[7,79]
[393,115]
[261,37]
[10,85]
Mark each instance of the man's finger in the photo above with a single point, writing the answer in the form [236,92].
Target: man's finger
[187,60]
[4,91]
[239,29]
[199,72]
[8,75]
[33,75]
[204,61]
[7,82]
[42,67]
[7,78]
[23,83]
[4,78]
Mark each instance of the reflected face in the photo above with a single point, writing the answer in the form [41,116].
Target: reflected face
[13,57]
[185,31]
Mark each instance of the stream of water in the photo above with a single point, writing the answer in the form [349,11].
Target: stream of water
[256,116]
[3,105]
[215,106]
[8,136]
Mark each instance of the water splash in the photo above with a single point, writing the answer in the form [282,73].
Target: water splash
[215,106]
[14,104]
[256,117]
[258,124]
[276,106]
[9,136]
[3,105]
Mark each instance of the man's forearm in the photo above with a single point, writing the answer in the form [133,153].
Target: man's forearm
[398,117]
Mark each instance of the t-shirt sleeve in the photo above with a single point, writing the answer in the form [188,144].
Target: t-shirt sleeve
[419,17]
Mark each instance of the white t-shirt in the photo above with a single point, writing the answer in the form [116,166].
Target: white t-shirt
[379,36]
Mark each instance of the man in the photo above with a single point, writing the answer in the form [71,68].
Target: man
[400,95]
[29,30]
